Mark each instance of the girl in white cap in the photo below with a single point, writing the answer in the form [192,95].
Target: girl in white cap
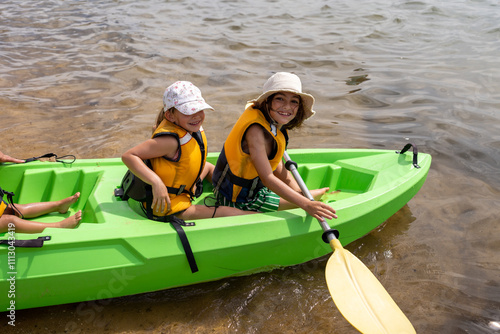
[250,174]
[176,155]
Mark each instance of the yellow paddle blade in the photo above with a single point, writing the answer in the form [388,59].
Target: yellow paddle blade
[360,297]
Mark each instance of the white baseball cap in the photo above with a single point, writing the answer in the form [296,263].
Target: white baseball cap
[185,97]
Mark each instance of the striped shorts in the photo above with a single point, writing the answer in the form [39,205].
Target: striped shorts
[264,201]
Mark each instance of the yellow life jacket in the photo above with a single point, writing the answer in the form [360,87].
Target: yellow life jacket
[180,175]
[3,206]
[235,176]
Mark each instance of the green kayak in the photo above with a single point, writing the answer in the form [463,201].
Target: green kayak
[115,251]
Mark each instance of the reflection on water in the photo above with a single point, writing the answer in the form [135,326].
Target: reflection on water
[86,78]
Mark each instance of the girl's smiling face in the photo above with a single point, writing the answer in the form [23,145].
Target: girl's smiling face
[284,107]
[190,123]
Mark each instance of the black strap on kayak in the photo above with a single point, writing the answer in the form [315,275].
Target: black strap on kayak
[415,153]
[10,199]
[26,243]
[56,158]
[177,223]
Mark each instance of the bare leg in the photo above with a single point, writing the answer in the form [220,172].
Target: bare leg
[201,211]
[33,210]
[207,172]
[26,226]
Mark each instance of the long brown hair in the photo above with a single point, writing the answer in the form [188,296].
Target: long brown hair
[161,117]
[296,122]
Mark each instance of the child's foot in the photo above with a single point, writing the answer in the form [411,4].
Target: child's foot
[67,202]
[318,193]
[72,221]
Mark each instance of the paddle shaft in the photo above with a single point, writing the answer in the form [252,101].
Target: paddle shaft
[307,193]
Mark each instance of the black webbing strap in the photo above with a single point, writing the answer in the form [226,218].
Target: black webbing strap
[180,190]
[415,153]
[176,223]
[56,158]
[26,243]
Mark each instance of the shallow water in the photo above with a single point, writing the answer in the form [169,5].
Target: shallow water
[86,78]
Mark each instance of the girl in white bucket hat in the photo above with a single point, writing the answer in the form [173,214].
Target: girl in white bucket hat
[250,174]
[173,162]
[285,82]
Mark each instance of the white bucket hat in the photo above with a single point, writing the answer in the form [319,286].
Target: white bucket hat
[286,82]
[185,97]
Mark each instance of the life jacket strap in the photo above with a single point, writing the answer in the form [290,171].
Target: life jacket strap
[178,191]
[222,165]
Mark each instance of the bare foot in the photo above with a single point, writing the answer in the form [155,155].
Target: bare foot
[64,204]
[318,193]
[72,221]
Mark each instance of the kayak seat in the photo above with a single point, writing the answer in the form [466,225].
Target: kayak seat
[43,185]
[343,181]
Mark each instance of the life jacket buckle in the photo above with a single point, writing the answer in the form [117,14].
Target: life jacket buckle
[181,189]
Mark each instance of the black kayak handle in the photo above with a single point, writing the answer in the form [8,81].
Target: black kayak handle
[415,153]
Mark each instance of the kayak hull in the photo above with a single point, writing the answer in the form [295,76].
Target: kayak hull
[116,252]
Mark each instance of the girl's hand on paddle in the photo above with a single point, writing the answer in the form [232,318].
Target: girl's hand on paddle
[320,210]
[161,200]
